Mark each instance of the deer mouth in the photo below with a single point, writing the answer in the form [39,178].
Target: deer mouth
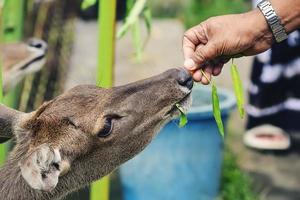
[38,58]
[184,103]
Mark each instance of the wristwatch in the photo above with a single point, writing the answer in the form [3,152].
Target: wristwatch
[273,20]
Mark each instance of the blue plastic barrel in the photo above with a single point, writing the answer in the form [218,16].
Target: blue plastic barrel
[181,163]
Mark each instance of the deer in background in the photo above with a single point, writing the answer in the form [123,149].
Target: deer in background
[85,133]
[21,59]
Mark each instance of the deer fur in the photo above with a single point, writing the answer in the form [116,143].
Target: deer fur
[58,147]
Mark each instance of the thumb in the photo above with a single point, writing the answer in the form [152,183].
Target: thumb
[204,53]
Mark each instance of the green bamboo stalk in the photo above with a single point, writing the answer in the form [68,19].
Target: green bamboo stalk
[106,51]
[106,41]
[2,147]
[12,17]
[1,42]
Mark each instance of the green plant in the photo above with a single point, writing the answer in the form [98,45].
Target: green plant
[235,184]
[199,10]
[238,89]
[136,9]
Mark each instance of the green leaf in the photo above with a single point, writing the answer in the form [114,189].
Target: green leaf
[129,5]
[132,17]
[87,3]
[136,35]
[238,89]
[183,119]
[217,110]
[148,19]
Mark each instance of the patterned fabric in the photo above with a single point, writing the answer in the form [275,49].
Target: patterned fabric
[274,92]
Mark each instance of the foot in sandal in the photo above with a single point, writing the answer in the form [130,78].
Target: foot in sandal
[267,137]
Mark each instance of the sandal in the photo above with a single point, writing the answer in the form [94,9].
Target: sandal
[267,137]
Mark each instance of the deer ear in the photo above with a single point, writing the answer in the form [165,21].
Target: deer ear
[8,120]
[28,122]
[41,109]
[42,168]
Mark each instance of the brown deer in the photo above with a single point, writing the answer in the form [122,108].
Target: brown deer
[21,59]
[85,133]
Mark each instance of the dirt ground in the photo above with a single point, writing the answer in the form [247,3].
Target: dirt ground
[276,175]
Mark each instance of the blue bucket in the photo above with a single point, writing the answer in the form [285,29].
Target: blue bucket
[181,163]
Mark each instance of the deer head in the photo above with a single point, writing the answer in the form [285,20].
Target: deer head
[21,59]
[88,131]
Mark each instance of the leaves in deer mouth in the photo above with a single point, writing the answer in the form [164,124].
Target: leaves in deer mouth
[183,119]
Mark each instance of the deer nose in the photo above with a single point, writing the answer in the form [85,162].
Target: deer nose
[185,79]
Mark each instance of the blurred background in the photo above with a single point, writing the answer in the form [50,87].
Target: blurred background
[75,47]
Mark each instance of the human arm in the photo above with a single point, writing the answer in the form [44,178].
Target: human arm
[213,42]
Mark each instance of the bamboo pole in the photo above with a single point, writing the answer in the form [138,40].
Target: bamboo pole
[13,16]
[106,42]
[11,31]
[2,147]
[106,51]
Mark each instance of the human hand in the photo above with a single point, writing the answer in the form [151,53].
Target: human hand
[213,42]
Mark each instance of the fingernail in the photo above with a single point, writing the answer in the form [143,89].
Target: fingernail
[189,64]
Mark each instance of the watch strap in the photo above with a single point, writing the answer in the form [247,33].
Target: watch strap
[273,21]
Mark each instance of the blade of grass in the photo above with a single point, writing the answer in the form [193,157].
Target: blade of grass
[183,119]
[238,89]
[217,110]
[132,17]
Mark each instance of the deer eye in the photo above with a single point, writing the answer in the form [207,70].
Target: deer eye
[107,127]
